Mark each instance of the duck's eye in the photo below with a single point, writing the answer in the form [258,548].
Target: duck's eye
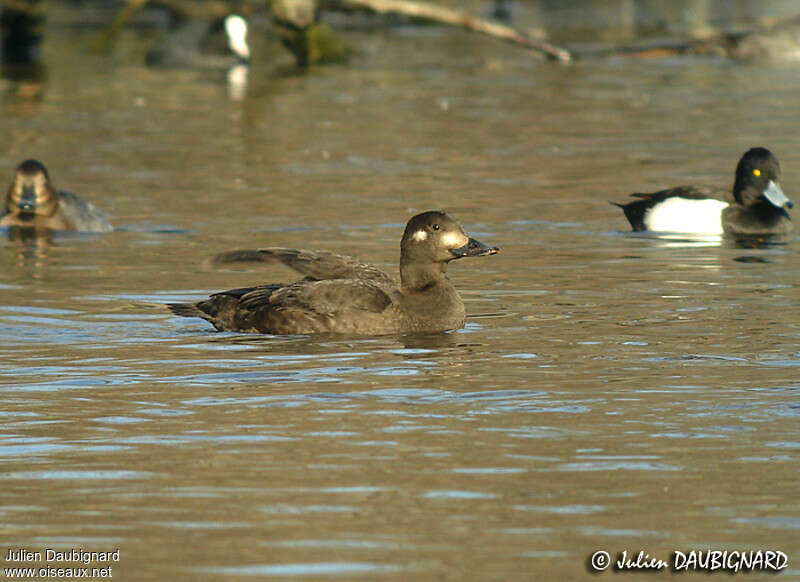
[435,227]
[756,172]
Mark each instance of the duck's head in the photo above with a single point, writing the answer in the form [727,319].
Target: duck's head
[758,179]
[31,192]
[437,237]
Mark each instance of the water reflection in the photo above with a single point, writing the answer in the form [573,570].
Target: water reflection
[35,249]
[25,85]
[680,240]
[30,246]
[688,240]
[423,345]
[759,241]
[20,51]
[237,82]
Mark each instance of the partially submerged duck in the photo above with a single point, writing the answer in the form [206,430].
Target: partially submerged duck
[341,295]
[765,43]
[758,206]
[193,45]
[779,42]
[32,202]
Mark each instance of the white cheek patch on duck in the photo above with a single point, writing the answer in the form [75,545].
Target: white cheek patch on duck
[686,215]
[454,240]
[420,235]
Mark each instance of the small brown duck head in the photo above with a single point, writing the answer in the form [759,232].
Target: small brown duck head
[31,199]
[430,241]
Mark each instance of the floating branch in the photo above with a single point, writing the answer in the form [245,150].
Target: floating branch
[451,17]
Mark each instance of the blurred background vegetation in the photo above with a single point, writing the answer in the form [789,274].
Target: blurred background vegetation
[315,31]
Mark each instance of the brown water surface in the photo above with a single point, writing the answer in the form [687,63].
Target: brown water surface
[609,391]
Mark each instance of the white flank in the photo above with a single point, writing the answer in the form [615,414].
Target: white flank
[454,240]
[420,235]
[236,28]
[685,215]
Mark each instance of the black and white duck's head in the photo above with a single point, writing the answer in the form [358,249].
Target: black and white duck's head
[758,180]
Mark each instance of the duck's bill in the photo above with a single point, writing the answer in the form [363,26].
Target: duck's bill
[776,197]
[27,202]
[474,248]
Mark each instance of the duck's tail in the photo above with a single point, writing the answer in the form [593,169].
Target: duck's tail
[634,212]
[185,310]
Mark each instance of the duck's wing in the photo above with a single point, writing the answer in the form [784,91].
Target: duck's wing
[332,306]
[314,265]
[327,297]
[84,215]
[339,306]
[352,306]
[635,211]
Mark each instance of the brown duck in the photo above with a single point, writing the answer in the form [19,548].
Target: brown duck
[341,295]
[32,202]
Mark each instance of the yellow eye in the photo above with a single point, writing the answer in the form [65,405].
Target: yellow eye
[756,172]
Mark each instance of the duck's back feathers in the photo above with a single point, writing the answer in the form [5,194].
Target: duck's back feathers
[315,265]
[688,191]
[84,215]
